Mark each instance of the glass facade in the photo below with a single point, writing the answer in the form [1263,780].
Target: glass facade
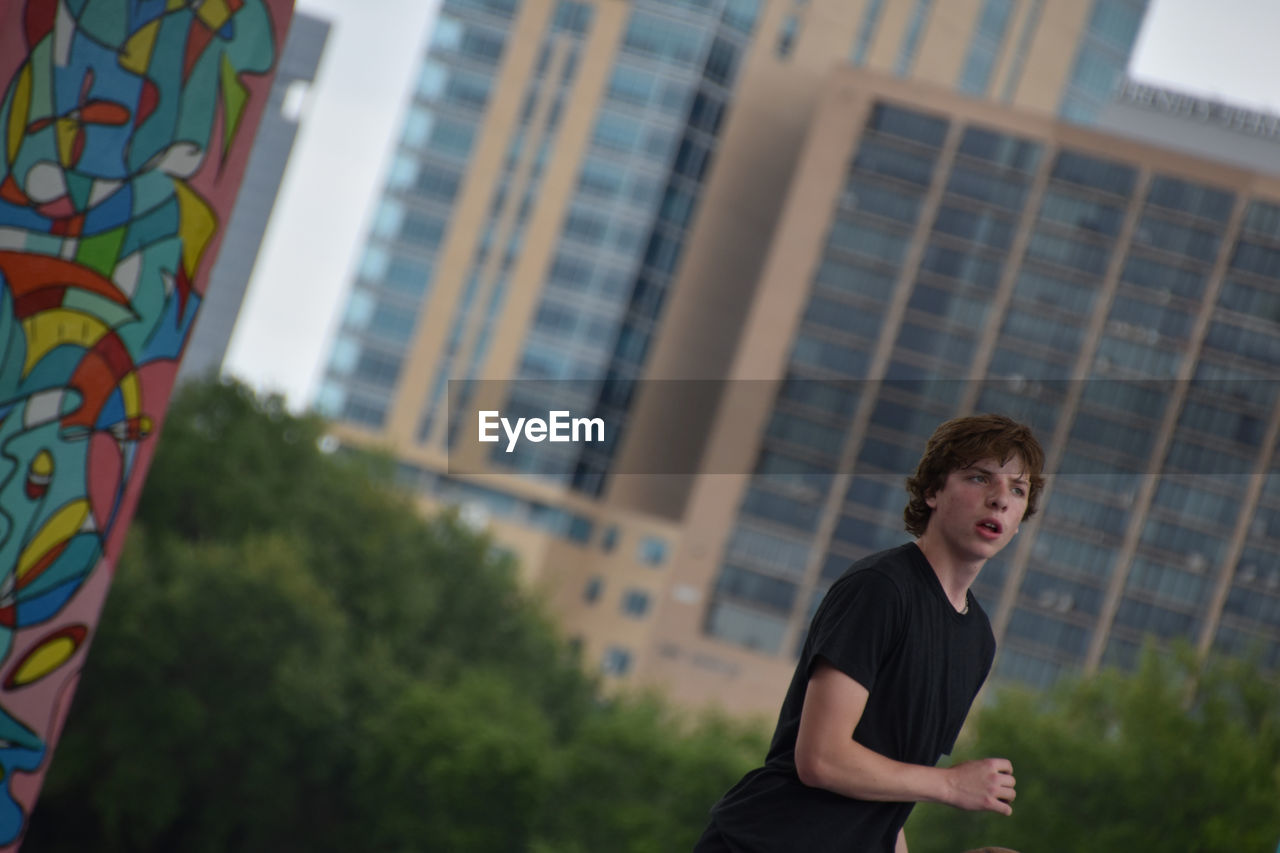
[394,276]
[866,32]
[654,140]
[1026,32]
[512,202]
[911,40]
[1101,57]
[1089,296]
[985,45]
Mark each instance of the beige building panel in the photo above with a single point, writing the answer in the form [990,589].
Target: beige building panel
[1007,61]
[572,139]
[1051,55]
[829,31]
[945,43]
[466,224]
[701,675]
[603,624]
[895,18]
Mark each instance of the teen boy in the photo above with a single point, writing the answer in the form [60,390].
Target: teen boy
[894,658]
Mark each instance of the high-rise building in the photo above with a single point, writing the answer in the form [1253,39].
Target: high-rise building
[565,167]
[242,238]
[938,256]
[584,199]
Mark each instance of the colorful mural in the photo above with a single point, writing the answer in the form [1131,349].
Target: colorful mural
[124,132]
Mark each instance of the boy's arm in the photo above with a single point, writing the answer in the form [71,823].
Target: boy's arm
[901,846]
[828,757]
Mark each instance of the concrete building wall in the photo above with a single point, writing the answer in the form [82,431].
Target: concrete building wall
[229,279]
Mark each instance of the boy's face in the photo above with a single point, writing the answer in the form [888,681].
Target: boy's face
[979,507]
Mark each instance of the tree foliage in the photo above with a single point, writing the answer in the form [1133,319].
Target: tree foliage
[291,658]
[1177,755]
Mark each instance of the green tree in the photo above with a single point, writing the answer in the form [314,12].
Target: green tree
[293,659]
[640,778]
[1174,756]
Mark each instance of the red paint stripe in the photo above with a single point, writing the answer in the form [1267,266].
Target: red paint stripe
[39,19]
[28,273]
[45,562]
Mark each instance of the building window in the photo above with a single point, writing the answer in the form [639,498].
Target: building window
[1009,152]
[1204,202]
[330,399]
[746,627]
[1103,55]
[985,186]
[1029,26]
[870,20]
[1086,171]
[917,127]
[741,14]
[787,36]
[573,17]
[1031,669]
[593,590]
[652,551]
[911,42]
[635,603]
[1263,219]
[616,661]
[757,589]
[1183,240]
[578,529]
[984,46]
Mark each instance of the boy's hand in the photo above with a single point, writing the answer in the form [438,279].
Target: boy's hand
[986,784]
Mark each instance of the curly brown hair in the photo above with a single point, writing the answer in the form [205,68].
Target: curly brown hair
[962,441]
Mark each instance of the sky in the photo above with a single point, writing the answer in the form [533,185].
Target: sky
[1222,49]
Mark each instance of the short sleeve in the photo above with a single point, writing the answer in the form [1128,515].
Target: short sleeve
[858,625]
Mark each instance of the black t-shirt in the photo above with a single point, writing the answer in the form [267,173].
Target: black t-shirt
[886,623]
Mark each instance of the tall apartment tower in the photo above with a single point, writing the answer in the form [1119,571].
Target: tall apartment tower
[560,161]
[229,279]
[584,200]
[937,257]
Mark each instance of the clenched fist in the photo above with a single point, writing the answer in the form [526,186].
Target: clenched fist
[985,784]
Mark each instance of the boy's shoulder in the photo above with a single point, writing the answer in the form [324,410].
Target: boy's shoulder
[892,571]
[895,563]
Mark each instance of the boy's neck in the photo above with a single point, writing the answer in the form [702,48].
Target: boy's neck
[956,576]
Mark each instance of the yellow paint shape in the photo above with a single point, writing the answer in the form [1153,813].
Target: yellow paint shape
[57,530]
[43,660]
[42,465]
[58,326]
[131,391]
[214,13]
[18,113]
[67,130]
[136,56]
[196,225]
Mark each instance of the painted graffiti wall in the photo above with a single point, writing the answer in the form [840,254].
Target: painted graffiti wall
[125,127]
